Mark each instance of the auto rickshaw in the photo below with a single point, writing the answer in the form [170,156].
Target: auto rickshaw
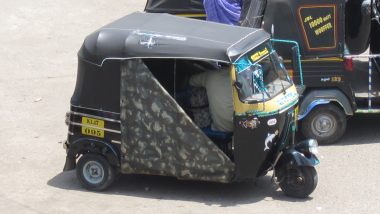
[129,112]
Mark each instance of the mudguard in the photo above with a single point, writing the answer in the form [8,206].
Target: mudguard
[322,97]
[85,145]
[292,158]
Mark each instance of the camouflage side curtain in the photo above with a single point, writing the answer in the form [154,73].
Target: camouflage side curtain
[157,135]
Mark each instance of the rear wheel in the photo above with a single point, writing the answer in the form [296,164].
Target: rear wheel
[94,172]
[326,124]
[298,182]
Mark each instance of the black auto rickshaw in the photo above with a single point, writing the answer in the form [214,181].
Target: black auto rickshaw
[128,113]
[340,46]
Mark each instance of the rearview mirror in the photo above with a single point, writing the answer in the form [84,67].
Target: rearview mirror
[239,87]
[295,60]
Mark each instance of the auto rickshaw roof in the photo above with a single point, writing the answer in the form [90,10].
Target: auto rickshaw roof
[144,35]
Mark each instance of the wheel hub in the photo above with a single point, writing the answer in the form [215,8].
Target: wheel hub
[323,125]
[93,172]
[299,179]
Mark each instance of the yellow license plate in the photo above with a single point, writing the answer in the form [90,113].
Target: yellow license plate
[91,127]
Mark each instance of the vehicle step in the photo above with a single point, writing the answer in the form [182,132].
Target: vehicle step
[367,111]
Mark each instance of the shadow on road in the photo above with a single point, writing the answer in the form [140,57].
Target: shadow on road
[168,188]
[362,129]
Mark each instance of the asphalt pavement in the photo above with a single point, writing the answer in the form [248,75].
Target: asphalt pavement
[39,41]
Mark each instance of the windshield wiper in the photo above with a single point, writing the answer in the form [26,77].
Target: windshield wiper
[282,85]
[257,85]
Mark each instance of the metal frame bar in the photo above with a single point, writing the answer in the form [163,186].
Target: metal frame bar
[370,57]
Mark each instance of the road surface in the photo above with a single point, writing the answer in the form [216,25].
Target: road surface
[39,41]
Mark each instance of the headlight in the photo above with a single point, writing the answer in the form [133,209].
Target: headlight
[313,146]
[308,146]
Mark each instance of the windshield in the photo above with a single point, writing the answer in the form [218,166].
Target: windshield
[261,76]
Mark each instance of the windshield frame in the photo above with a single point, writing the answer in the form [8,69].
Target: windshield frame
[277,67]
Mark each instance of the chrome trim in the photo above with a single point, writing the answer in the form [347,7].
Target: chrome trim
[365,111]
[94,109]
[366,95]
[70,133]
[95,117]
[150,57]
[115,141]
[95,127]
[363,56]
[156,57]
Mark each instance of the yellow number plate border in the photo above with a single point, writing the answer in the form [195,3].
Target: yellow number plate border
[93,127]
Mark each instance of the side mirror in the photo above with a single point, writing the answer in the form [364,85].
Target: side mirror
[295,59]
[238,85]
[239,88]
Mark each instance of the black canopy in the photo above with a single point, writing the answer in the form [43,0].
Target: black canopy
[144,35]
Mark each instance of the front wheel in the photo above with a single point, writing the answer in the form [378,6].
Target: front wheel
[94,172]
[326,124]
[298,182]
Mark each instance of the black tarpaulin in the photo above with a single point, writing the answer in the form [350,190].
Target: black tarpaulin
[358,25]
[148,35]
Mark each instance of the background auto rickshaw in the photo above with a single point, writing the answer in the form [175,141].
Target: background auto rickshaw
[340,47]
[127,115]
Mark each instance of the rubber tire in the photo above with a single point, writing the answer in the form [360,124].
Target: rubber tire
[109,172]
[303,190]
[335,113]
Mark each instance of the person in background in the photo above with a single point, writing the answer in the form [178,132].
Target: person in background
[223,11]
[219,94]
